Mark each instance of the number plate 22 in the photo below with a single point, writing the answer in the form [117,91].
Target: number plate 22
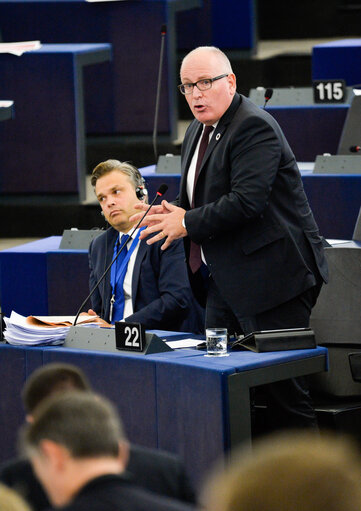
[129,336]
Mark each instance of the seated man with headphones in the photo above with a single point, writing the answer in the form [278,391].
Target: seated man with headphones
[145,284]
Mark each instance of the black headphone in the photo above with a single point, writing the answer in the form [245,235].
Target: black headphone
[141,192]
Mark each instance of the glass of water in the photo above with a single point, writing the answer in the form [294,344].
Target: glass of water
[216,339]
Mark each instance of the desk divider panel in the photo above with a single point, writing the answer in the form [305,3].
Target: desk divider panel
[311,130]
[23,278]
[335,202]
[192,408]
[68,281]
[13,371]
[128,381]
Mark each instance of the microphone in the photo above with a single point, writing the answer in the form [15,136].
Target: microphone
[355,149]
[267,96]
[161,191]
[163,32]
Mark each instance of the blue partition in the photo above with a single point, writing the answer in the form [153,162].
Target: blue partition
[337,60]
[311,130]
[230,26]
[335,201]
[38,278]
[13,370]
[43,149]
[127,381]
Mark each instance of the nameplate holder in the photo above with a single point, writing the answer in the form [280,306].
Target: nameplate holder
[168,164]
[338,164]
[91,339]
[132,337]
[104,339]
[78,239]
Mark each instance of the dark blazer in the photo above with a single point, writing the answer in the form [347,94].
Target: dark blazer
[113,493]
[157,471]
[160,472]
[161,293]
[251,216]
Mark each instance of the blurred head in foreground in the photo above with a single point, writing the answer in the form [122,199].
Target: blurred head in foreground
[290,472]
[11,501]
[49,379]
[73,438]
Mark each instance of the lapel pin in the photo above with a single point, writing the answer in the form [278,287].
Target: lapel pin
[218,136]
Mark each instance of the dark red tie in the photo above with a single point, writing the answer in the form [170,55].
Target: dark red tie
[195,259]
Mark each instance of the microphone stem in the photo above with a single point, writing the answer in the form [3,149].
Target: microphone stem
[155,127]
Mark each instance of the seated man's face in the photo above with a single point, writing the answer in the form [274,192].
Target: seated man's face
[116,195]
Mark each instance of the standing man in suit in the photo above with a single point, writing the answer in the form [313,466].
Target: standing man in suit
[149,286]
[244,217]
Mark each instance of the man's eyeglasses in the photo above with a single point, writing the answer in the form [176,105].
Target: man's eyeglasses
[205,84]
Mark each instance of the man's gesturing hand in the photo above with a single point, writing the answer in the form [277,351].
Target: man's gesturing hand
[166,220]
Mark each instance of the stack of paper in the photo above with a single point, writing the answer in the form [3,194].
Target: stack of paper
[41,330]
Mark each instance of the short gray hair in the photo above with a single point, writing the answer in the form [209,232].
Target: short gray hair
[85,423]
[105,167]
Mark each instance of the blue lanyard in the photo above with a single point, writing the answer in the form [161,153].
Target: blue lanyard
[117,275]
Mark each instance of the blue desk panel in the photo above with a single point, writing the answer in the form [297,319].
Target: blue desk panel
[335,201]
[311,130]
[43,149]
[337,60]
[119,97]
[180,401]
[13,374]
[38,278]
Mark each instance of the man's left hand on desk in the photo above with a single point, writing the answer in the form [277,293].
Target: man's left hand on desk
[98,320]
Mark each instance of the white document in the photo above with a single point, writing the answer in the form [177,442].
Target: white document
[19,48]
[184,343]
[6,104]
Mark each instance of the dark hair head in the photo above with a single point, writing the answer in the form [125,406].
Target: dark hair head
[51,378]
[86,424]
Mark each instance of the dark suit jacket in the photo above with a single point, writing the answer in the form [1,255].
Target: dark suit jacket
[161,293]
[157,471]
[251,216]
[113,493]
[160,472]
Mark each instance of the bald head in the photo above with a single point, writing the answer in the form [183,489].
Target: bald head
[209,52]
[204,63]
